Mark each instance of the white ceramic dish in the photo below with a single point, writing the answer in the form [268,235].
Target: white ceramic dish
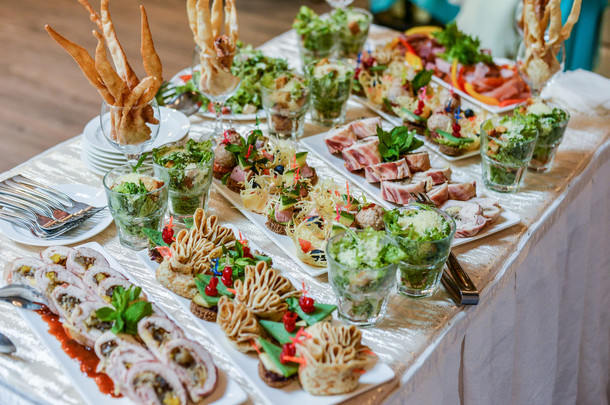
[282,241]
[248,364]
[396,121]
[177,80]
[91,227]
[227,391]
[174,127]
[317,146]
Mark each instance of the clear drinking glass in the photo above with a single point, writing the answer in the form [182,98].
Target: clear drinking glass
[286,101]
[130,130]
[134,212]
[354,33]
[317,45]
[362,293]
[550,136]
[420,271]
[218,81]
[504,162]
[330,82]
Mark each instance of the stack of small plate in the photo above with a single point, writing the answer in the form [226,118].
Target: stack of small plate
[99,156]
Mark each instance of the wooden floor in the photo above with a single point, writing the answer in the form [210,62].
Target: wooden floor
[44,97]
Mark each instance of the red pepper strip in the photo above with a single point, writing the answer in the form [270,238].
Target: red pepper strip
[511,101]
[293,359]
[482,98]
[185,78]
[407,45]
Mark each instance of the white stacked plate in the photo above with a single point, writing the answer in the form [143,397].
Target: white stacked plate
[99,156]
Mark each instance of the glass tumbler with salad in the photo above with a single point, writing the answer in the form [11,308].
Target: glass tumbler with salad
[552,125]
[353,30]
[190,175]
[362,273]
[317,35]
[285,100]
[507,145]
[137,199]
[330,82]
[425,235]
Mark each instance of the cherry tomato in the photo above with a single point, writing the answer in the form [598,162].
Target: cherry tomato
[167,234]
[289,319]
[287,350]
[306,304]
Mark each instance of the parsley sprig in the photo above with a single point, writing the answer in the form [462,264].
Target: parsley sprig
[396,143]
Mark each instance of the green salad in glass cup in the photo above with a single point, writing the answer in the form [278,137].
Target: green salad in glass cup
[362,272]
[330,84]
[285,100]
[137,199]
[552,124]
[190,175]
[507,145]
[353,29]
[425,235]
[316,35]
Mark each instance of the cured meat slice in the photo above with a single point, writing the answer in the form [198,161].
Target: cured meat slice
[340,138]
[462,191]
[418,162]
[108,342]
[193,365]
[153,383]
[96,274]
[107,286]
[387,171]
[468,217]
[23,270]
[365,127]
[56,255]
[439,194]
[53,275]
[85,327]
[156,331]
[361,154]
[81,259]
[439,176]
[121,359]
[490,207]
[399,192]
[67,298]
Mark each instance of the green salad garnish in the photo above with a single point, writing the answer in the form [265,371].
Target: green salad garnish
[424,224]
[179,157]
[128,310]
[366,249]
[396,143]
[462,46]
[317,34]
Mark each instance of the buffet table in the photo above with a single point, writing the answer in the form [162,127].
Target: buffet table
[539,334]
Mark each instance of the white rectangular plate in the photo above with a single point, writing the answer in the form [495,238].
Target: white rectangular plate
[248,364]
[397,121]
[227,391]
[282,241]
[317,146]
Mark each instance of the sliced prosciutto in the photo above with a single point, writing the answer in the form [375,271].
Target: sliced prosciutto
[462,191]
[439,176]
[468,217]
[387,171]
[365,127]
[361,154]
[399,192]
[418,162]
[490,207]
[340,138]
[439,194]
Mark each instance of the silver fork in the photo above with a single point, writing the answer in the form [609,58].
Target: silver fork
[458,283]
[24,222]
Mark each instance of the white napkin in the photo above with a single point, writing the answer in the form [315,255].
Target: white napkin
[582,91]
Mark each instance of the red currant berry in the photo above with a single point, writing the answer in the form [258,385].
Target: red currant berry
[213,281]
[227,272]
[167,234]
[227,281]
[306,304]
[287,350]
[211,291]
[289,319]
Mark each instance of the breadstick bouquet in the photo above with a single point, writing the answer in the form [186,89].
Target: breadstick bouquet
[119,86]
[216,49]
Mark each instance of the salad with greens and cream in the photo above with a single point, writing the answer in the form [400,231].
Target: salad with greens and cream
[190,174]
[330,86]
[316,34]
[353,28]
[362,271]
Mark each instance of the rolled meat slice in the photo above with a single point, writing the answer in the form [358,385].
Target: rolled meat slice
[193,365]
[120,361]
[106,287]
[53,275]
[56,255]
[108,342]
[84,326]
[23,270]
[67,298]
[156,331]
[82,259]
[152,383]
[96,274]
